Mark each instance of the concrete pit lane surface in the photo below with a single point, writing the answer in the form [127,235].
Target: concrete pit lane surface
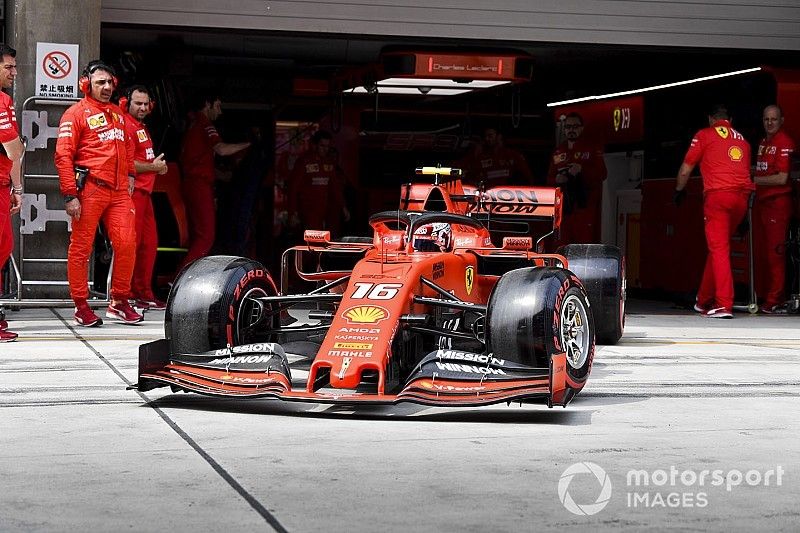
[687,424]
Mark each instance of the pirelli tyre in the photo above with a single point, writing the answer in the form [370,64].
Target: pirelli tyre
[601,269]
[211,305]
[534,313]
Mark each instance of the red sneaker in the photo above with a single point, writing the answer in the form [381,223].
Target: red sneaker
[7,336]
[3,325]
[84,316]
[123,312]
[150,303]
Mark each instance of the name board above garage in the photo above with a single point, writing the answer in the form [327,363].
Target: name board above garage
[475,66]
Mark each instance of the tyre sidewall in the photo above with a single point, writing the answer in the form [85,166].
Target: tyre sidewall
[206,302]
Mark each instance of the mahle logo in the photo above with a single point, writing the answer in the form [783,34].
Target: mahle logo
[585,509]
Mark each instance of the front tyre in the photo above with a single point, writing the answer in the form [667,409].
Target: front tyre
[212,305]
[534,313]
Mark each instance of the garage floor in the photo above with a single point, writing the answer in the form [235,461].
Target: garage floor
[687,424]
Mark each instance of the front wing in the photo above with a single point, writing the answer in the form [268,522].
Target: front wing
[442,378]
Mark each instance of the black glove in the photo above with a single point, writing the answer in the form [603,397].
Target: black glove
[678,196]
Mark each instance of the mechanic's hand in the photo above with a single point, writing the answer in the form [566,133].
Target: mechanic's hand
[131,181]
[678,196]
[346,213]
[575,169]
[73,208]
[160,164]
[16,202]
[294,220]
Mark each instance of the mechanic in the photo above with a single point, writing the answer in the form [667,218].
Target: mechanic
[492,164]
[94,159]
[10,176]
[316,187]
[724,157]
[579,169]
[773,207]
[200,143]
[137,104]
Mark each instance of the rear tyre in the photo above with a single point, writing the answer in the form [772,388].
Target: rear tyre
[601,269]
[212,305]
[534,313]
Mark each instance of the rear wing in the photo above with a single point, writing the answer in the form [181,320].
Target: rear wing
[518,201]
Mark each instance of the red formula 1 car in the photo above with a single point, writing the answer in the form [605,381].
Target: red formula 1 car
[428,310]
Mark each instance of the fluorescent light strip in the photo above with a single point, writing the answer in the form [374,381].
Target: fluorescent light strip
[435,91]
[436,82]
[653,88]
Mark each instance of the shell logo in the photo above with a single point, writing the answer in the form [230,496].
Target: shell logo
[366,314]
[735,153]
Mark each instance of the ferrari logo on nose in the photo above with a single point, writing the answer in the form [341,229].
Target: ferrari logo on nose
[469,278]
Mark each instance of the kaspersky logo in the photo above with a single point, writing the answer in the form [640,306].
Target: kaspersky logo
[366,314]
[601,481]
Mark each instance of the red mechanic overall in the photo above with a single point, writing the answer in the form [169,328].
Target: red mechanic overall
[582,223]
[8,133]
[197,166]
[724,157]
[92,135]
[772,215]
[498,166]
[146,231]
[316,191]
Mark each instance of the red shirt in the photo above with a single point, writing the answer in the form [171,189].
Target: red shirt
[724,157]
[501,166]
[142,151]
[316,187]
[197,154]
[92,134]
[593,168]
[774,156]
[8,132]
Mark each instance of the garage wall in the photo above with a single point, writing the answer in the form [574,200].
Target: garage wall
[746,24]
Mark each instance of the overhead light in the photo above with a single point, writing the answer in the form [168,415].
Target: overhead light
[426,90]
[653,88]
[439,82]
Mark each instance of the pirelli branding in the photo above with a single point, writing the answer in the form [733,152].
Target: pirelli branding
[353,345]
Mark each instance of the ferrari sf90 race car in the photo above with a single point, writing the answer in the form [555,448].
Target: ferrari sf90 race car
[428,310]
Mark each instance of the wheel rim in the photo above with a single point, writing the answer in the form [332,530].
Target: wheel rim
[250,313]
[575,331]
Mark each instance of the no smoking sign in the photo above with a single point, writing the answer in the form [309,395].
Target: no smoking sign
[57,72]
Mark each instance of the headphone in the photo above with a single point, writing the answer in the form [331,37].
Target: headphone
[124,101]
[84,84]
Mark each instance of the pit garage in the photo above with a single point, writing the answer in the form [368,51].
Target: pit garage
[683,423]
